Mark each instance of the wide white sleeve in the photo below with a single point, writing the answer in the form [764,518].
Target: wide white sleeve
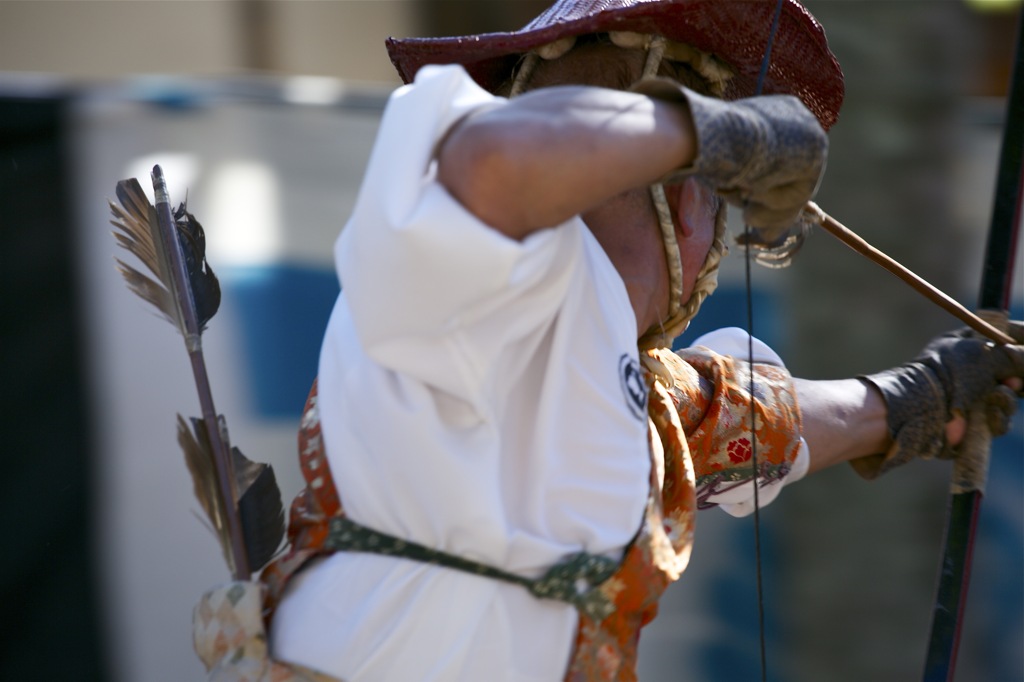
[433,292]
[739,501]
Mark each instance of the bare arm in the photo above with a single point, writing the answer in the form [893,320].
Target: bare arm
[846,419]
[842,420]
[914,410]
[557,152]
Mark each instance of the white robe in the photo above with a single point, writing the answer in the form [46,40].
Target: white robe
[472,398]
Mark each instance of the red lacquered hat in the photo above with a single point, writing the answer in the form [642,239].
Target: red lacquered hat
[735,31]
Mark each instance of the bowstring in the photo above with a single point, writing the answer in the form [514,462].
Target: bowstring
[750,359]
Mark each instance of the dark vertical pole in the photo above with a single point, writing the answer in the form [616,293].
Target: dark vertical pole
[52,621]
[997,279]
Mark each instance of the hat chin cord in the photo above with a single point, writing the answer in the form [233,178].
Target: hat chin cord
[679,314]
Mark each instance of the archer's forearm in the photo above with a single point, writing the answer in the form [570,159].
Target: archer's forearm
[842,420]
[558,152]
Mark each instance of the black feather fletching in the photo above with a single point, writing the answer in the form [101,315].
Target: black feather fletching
[139,234]
[257,519]
[259,498]
[259,505]
[203,283]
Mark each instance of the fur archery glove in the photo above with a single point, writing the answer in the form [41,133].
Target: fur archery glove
[763,154]
[956,373]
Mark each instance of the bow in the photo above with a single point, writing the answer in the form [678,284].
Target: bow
[968,480]
[967,487]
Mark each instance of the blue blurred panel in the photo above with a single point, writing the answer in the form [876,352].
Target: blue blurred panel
[995,599]
[283,310]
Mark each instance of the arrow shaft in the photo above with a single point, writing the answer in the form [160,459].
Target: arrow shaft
[183,299]
[919,284]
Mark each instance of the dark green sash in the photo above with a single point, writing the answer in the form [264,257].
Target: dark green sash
[574,580]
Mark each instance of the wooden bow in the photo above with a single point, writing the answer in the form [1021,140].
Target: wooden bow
[968,486]
[968,480]
[969,473]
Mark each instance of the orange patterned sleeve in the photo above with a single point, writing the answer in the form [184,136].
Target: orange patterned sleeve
[712,395]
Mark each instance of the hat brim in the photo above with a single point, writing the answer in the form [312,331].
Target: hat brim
[735,31]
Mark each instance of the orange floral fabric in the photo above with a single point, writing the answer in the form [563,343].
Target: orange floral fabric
[702,423]
[607,650]
[700,444]
[311,510]
[712,395]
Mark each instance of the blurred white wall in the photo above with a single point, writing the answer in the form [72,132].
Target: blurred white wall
[111,38]
[287,170]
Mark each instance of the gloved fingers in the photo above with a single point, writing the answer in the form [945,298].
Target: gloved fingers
[1000,406]
[968,367]
[788,194]
[771,222]
[947,452]
[762,150]
[957,374]
[1009,362]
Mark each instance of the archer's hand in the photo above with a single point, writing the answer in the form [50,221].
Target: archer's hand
[763,154]
[928,398]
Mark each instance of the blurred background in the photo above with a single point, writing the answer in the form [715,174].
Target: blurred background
[263,113]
